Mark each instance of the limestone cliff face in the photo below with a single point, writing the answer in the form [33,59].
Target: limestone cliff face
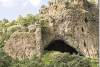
[73,21]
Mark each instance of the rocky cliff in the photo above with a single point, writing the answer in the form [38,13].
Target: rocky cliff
[73,21]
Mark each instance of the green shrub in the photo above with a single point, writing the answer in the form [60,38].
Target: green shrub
[5,60]
[34,62]
[94,62]
[48,59]
[57,59]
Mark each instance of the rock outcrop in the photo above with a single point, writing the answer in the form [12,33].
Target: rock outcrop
[23,45]
[73,21]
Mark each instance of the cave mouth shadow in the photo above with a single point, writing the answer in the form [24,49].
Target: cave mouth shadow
[60,45]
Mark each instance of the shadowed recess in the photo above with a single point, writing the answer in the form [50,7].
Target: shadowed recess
[60,45]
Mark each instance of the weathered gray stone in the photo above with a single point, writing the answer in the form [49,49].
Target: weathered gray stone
[23,45]
[73,21]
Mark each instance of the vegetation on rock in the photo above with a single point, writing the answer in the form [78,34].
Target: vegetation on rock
[48,59]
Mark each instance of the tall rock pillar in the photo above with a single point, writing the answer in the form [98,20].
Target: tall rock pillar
[38,37]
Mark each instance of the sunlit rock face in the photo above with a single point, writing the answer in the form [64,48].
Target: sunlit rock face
[94,1]
[73,21]
[20,46]
[23,45]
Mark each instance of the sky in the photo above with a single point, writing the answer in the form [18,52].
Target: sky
[11,9]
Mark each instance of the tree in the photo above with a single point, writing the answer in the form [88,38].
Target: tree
[5,20]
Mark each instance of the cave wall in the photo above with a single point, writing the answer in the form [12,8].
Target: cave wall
[75,22]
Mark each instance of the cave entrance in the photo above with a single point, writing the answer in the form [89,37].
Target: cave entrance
[60,45]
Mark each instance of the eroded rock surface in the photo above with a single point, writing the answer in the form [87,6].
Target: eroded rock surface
[23,45]
[73,21]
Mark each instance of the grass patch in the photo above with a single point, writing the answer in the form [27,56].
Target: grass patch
[49,59]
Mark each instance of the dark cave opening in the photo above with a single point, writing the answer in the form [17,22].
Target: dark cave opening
[60,45]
